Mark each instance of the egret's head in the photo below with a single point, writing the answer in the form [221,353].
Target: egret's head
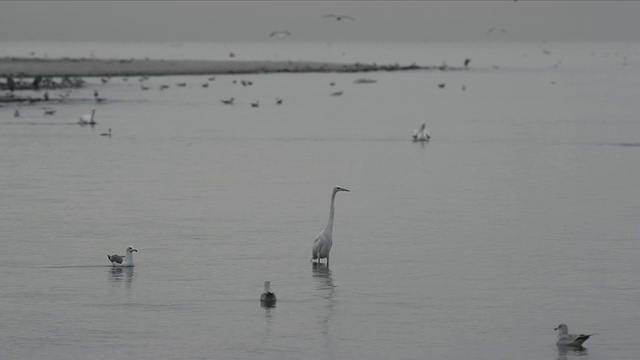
[563,328]
[130,249]
[338,188]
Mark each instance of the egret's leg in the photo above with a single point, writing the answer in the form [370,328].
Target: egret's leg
[327,260]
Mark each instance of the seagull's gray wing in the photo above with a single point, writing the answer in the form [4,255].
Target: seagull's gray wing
[115,258]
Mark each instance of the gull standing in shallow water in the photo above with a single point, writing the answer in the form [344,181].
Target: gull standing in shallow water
[268,297]
[322,245]
[127,260]
[566,339]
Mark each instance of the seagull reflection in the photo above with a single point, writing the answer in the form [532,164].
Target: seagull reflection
[118,273]
[565,351]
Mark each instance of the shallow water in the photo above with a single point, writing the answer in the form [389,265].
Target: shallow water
[521,213]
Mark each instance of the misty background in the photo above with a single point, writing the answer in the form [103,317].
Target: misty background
[253,21]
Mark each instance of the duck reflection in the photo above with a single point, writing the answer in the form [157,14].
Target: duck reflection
[119,274]
[564,352]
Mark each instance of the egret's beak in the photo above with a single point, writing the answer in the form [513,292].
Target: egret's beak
[557,328]
[343,189]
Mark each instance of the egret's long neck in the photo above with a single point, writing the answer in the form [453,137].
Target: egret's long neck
[93,112]
[329,229]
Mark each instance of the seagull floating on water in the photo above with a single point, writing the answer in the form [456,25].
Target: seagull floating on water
[268,297]
[322,245]
[107,133]
[127,260]
[278,101]
[566,339]
[337,93]
[16,113]
[421,134]
[338,17]
[255,104]
[228,102]
[49,111]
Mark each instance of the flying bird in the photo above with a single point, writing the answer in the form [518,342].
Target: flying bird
[280,34]
[566,339]
[322,245]
[338,17]
[127,260]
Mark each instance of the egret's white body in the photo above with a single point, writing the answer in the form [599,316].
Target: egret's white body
[88,119]
[421,134]
[566,339]
[322,245]
[124,261]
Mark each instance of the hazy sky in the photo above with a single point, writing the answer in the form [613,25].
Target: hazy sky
[219,21]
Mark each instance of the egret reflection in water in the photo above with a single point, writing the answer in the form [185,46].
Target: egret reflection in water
[326,291]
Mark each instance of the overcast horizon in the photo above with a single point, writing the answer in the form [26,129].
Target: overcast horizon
[253,21]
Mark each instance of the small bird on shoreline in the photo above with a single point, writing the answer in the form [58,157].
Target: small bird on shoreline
[338,17]
[280,34]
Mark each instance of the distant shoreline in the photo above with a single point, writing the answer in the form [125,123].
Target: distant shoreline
[83,67]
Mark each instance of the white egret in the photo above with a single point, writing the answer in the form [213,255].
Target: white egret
[127,260]
[322,245]
[421,134]
[566,339]
[88,119]
[268,297]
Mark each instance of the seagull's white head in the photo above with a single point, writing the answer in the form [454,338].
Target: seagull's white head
[563,328]
[130,249]
[267,286]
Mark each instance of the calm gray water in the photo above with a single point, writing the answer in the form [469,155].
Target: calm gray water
[521,213]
